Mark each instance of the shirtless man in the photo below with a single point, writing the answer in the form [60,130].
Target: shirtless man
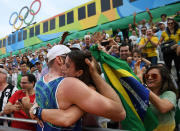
[63,101]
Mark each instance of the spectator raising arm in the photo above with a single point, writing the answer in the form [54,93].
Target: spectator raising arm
[150,15]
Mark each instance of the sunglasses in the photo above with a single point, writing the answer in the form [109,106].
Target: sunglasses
[170,23]
[153,76]
[143,30]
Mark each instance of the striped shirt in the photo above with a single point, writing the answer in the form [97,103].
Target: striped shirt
[4,97]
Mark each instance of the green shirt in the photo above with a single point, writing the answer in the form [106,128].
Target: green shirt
[166,121]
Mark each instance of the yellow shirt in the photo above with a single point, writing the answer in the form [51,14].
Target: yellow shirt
[149,49]
[175,37]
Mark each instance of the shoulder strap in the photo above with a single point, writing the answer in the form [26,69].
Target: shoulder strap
[168,33]
[6,94]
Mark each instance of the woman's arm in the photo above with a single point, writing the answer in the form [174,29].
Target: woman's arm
[162,104]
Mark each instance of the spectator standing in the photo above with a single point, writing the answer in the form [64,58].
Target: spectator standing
[162,28]
[143,22]
[172,33]
[39,70]
[18,60]
[23,71]
[119,33]
[21,101]
[148,46]
[6,91]
[164,19]
[25,59]
[34,58]
[133,38]
[87,44]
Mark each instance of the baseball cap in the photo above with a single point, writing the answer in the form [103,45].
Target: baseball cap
[68,44]
[160,23]
[170,18]
[57,50]
[76,46]
[38,62]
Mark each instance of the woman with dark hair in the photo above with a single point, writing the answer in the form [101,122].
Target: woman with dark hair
[25,59]
[75,66]
[162,96]
[172,33]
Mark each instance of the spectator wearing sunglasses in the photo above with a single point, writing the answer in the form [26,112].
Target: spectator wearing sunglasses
[162,96]
[172,33]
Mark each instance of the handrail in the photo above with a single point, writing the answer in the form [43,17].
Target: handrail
[35,122]
[19,119]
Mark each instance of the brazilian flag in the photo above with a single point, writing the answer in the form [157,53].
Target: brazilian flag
[134,96]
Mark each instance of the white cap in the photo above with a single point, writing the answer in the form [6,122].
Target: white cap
[77,46]
[57,50]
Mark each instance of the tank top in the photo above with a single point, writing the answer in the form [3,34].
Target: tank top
[46,99]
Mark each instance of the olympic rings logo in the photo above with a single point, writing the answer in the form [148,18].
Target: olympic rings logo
[23,18]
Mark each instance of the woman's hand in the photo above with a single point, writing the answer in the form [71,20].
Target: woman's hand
[92,66]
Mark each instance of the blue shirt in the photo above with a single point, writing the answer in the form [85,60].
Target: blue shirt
[46,99]
[141,65]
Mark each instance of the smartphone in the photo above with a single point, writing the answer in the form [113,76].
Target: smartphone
[20,100]
[105,43]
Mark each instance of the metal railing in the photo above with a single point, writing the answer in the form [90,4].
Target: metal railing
[35,122]
[18,119]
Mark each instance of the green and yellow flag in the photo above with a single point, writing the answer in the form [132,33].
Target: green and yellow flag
[134,96]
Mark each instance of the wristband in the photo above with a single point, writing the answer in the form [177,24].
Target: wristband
[39,113]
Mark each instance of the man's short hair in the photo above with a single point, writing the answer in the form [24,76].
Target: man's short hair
[143,27]
[163,15]
[31,78]
[125,44]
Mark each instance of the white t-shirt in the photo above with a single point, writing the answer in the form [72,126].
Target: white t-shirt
[133,39]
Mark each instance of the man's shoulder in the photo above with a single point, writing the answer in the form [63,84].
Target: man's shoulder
[71,84]
[71,81]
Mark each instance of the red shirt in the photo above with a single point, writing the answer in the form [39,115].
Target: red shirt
[21,114]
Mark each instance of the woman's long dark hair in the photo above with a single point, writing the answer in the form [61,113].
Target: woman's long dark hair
[166,83]
[176,27]
[28,63]
[78,57]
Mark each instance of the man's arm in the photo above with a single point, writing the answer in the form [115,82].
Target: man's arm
[60,117]
[134,19]
[142,44]
[153,43]
[9,108]
[77,93]
[150,15]
[65,34]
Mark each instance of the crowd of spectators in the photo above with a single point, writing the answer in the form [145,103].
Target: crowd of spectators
[139,45]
